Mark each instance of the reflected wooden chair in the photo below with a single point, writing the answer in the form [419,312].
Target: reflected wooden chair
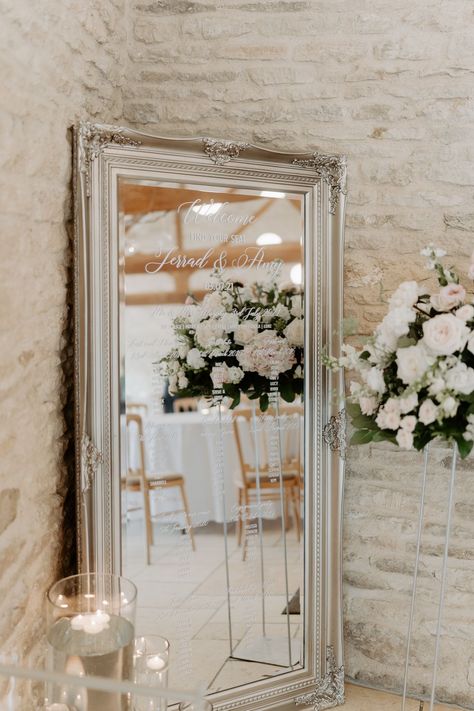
[246,479]
[137,479]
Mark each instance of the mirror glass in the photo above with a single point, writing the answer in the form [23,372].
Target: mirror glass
[212,426]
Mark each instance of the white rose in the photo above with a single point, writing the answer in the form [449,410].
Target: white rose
[368,405]
[444,334]
[235,375]
[296,306]
[460,379]
[183,382]
[450,406]
[465,313]
[194,359]
[245,331]
[209,332]
[281,311]
[406,295]
[412,363]
[404,439]
[212,302]
[394,325]
[449,297]
[388,417]
[428,412]
[375,380]
[408,423]
[295,332]
[408,403]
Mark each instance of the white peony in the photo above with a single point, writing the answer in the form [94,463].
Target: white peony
[460,379]
[408,403]
[367,404]
[449,297]
[395,324]
[406,295]
[428,412]
[404,439]
[209,332]
[267,354]
[444,334]
[296,306]
[465,313]
[450,406]
[245,331]
[412,363]
[194,359]
[375,380]
[295,332]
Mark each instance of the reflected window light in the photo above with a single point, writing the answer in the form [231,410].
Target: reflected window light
[131,249]
[272,194]
[296,274]
[208,208]
[269,238]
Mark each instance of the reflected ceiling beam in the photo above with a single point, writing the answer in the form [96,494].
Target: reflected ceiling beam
[289,252]
[150,298]
[142,199]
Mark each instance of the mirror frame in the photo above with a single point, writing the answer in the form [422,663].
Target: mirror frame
[102,154]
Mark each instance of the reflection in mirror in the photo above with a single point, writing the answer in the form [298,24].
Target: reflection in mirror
[212,342]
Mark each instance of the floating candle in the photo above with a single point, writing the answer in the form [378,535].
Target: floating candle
[91,622]
[155,663]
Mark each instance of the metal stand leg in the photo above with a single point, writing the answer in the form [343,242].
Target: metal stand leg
[220,464]
[444,574]
[415,574]
[259,514]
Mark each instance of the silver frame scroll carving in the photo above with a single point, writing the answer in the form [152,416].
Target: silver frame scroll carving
[103,154]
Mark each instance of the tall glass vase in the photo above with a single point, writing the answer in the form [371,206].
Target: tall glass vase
[90,632]
[444,571]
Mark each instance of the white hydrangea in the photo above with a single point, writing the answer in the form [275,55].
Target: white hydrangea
[405,296]
[194,359]
[460,379]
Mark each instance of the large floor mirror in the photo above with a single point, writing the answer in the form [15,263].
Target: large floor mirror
[209,283]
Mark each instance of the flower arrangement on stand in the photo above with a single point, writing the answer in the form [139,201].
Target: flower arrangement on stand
[239,338]
[416,372]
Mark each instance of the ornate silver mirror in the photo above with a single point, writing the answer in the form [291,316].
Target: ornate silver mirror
[210,446]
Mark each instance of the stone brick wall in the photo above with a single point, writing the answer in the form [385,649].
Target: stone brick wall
[389,83]
[59,62]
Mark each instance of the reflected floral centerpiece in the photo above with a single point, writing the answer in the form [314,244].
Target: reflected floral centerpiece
[239,338]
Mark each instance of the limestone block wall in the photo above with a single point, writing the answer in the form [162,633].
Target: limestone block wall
[60,61]
[389,83]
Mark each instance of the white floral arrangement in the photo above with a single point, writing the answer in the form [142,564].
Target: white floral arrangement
[416,372]
[240,339]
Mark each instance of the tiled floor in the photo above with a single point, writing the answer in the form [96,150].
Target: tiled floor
[182,595]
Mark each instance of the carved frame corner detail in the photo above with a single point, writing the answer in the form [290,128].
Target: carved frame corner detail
[334,433]
[92,139]
[333,170]
[221,152]
[330,689]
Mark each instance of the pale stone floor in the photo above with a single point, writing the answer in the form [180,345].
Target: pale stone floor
[182,596]
[359,698]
